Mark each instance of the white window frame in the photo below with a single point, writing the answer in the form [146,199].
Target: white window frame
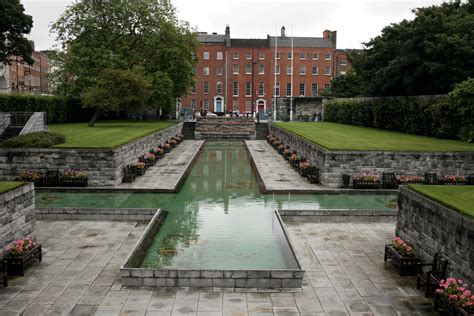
[219,71]
[204,85]
[277,55]
[235,88]
[303,70]
[289,56]
[261,88]
[289,70]
[206,55]
[344,62]
[220,56]
[277,70]
[261,69]
[248,69]
[327,70]
[193,104]
[261,55]
[304,90]
[205,71]
[236,56]
[288,85]
[276,89]
[205,104]
[315,56]
[327,56]
[235,69]
[248,88]
[248,55]
[313,72]
[312,90]
[303,56]
[221,90]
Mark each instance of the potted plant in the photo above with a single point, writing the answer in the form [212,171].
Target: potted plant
[271,139]
[454,180]
[402,256]
[30,176]
[404,180]
[269,136]
[281,148]
[21,252]
[74,178]
[159,153]
[304,168]
[173,143]
[295,161]
[454,297]
[150,159]
[276,143]
[139,168]
[166,148]
[287,153]
[366,181]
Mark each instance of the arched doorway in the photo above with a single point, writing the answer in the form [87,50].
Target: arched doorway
[261,107]
[219,104]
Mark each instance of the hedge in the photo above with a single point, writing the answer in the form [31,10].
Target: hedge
[58,109]
[34,140]
[441,116]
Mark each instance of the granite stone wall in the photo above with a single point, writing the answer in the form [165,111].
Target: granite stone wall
[335,163]
[17,214]
[432,227]
[103,166]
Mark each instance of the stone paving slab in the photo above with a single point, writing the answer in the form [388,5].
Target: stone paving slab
[274,171]
[169,173]
[79,275]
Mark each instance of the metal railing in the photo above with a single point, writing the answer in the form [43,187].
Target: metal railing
[19,119]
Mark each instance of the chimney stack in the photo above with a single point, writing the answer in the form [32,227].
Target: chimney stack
[227,35]
[331,35]
[283,32]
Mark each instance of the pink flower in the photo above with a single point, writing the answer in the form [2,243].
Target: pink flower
[453,297]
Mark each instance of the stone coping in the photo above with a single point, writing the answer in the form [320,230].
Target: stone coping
[380,151]
[338,216]
[16,192]
[113,214]
[228,278]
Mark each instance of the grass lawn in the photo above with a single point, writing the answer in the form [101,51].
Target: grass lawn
[460,198]
[8,186]
[107,134]
[350,137]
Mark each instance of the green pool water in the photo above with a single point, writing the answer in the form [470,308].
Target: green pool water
[219,219]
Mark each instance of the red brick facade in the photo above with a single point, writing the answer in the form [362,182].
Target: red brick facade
[239,74]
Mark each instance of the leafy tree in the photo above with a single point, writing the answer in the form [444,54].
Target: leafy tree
[427,55]
[125,35]
[346,86]
[14,23]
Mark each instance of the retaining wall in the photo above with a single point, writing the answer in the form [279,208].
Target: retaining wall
[335,163]
[17,214]
[432,227]
[102,165]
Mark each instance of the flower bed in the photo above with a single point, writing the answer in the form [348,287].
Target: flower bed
[30,176]
[454,180]
[405,180]
[454,298]
[402,256]
[74,178]
[20,253]
[366,182]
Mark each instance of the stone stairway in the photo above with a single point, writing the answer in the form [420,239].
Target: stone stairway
[188,130]
[225,128]
[262,130]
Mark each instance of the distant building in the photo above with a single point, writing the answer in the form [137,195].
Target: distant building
[247,75]
[20,77]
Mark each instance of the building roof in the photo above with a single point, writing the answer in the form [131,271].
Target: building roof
[251,43]
[211,38]
[301,42]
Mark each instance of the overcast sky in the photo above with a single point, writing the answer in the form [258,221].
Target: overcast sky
[356,21]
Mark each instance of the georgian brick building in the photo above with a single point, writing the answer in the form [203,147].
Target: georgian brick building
[249,74]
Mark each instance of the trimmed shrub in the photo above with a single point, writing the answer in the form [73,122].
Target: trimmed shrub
[34,140]
[58,109]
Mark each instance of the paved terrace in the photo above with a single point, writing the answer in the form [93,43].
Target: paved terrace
[275,172]
[79,275]
[168,173]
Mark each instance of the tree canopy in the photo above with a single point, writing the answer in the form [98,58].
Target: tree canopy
[14,24]
[427,55]
[346,86]
[143,37]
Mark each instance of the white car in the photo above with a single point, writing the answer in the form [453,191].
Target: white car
[211,114]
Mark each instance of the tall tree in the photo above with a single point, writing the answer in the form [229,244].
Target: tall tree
[14,24]
[349,85]
[125,35]
[427,55]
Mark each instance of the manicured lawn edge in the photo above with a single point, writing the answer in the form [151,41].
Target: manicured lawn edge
[438,147]
[9,186]
[465,208]
[166,124]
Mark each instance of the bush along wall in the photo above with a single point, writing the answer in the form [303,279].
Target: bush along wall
[450,116]
[58,109]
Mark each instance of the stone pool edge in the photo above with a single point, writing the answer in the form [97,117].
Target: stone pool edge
[229,278]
